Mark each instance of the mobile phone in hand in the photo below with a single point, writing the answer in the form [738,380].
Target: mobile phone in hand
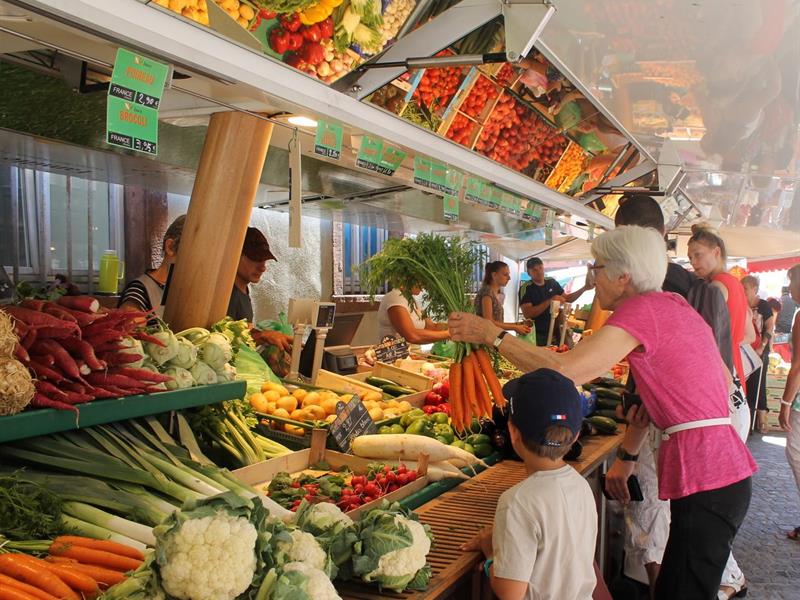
[630,399]
[634,489]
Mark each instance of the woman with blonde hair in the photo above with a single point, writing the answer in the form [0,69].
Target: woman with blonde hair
[704,468]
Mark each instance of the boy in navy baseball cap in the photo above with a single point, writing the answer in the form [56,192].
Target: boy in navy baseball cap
[545,528]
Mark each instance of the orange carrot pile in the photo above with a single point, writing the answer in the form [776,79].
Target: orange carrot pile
[473,385]
[76,568]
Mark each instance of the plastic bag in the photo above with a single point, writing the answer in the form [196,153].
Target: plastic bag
[444,349]
[250,367]
[282,325]
[529,337]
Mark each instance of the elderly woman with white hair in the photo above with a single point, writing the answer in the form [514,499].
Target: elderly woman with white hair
[704,468]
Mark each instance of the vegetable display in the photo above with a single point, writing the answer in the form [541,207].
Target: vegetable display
[438,85]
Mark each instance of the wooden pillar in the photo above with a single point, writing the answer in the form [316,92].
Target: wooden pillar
[222,199]
[145,215]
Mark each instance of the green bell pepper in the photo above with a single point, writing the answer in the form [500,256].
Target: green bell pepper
[445,431]
[397,428]
[477,439]
[469,448]
[440,418]
[420,427]
[411,416]
[458,444]
[385,429]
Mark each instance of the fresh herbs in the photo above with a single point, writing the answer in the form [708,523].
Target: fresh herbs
[28,510]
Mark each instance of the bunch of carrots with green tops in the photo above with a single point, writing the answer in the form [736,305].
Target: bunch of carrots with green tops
[70,568]
[443,268]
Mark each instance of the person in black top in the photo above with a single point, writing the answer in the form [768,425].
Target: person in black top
[252,265]
[538,294]
[764,323]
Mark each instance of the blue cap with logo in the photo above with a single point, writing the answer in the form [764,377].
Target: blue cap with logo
[540,399]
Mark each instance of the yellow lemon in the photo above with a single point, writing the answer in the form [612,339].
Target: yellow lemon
[330,418]
[288,403]
[376,414]
[329,405]
[271,395]
[258,402]
[299,393]
[298,415]
[271,406]
[311,398]
[315,412]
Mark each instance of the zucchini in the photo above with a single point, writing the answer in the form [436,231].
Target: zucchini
[609,382]
[396,390]
[608,403]
[610,414]
[608,393]
[379,381]
[603,424]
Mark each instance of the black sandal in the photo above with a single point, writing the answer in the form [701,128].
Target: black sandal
[794,534]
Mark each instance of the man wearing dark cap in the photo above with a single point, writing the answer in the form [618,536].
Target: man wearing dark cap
[252,265]
[550,518]
[538,294]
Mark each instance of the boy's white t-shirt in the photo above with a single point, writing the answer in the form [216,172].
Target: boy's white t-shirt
[545,531]
[396,298]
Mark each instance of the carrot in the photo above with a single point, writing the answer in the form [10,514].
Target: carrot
[22,570]
[98,558]
[482,392]
[85,304]
[9,582]
[60,559]
[455,396]
[104,577]
[107,545]
[470,406]
[79,582]
[9,593]
[491,378]
[83,349]
[42,401]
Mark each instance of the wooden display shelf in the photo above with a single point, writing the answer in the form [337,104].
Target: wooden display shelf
[97,412]
[456,516]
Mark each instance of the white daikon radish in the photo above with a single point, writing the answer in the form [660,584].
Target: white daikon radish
[409,447]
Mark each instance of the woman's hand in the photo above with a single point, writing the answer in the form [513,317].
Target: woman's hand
[783,417]
[521,328]
[637,416]
[465,327]
[481,542]
[617,479]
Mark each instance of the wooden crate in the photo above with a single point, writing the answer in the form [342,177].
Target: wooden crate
[262,473]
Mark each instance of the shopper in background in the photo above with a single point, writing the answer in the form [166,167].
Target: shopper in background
[397,318]
[146,292]
[252,265]
[490,298]
[704,467]
[538,295]
[790,403]
[548,520]
[764,325]
[783,324]
[709,257]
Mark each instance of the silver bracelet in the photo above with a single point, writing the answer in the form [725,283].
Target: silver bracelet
[786,403]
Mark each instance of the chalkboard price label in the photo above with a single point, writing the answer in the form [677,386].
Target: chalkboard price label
[391,349]
[352,420]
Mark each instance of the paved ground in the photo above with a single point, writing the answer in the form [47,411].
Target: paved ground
[770,561]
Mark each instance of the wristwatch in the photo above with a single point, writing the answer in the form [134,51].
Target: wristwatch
[499,339]
[623,454]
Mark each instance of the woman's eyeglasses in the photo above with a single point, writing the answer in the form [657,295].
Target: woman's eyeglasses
[593,267]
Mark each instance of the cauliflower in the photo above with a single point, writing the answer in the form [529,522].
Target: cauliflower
[321,517]
[392,549]
[297,581]
[208,550]
[333,530]
[304,548]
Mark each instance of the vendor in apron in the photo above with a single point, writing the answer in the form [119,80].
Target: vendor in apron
[252,265]
[145,293]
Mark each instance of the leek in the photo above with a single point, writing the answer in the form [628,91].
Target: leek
[87,528]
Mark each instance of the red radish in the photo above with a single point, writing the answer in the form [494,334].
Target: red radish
[43,372]
[59,311]
[83,368]
[46,359]
[29,339]
[117,392]
[84,350]
[140,335]
[116,359]
[100,338]
[33,304]
[57,333]
[120,381]
[21,353]
[99,392]
[83,303]
[108,347]
[63,360]
[38,319]
[142,374]
[70,386]
[42,401]
[83,319]
[51,391]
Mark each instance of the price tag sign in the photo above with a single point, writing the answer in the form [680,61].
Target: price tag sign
[352,420]
[391,349]
[134,96]
[437,176]
[474,189]
[329,138]
[451,208]
[376,155]
[548,227]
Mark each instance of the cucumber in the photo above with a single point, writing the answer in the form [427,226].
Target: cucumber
[603,424]
[396,390]
[608,393]
[379,381]
[609,382]
[610,414]
[608,403]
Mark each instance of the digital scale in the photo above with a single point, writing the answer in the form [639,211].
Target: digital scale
[328,343]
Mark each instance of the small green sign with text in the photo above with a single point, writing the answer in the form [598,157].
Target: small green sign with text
[329,140]
[451,207]
[134,96]
[437,175]
[376,155]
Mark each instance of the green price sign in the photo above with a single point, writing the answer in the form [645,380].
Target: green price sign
[474,187]
[329,140]
[437,175]
[451,207]
[134,96]
[376,155]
